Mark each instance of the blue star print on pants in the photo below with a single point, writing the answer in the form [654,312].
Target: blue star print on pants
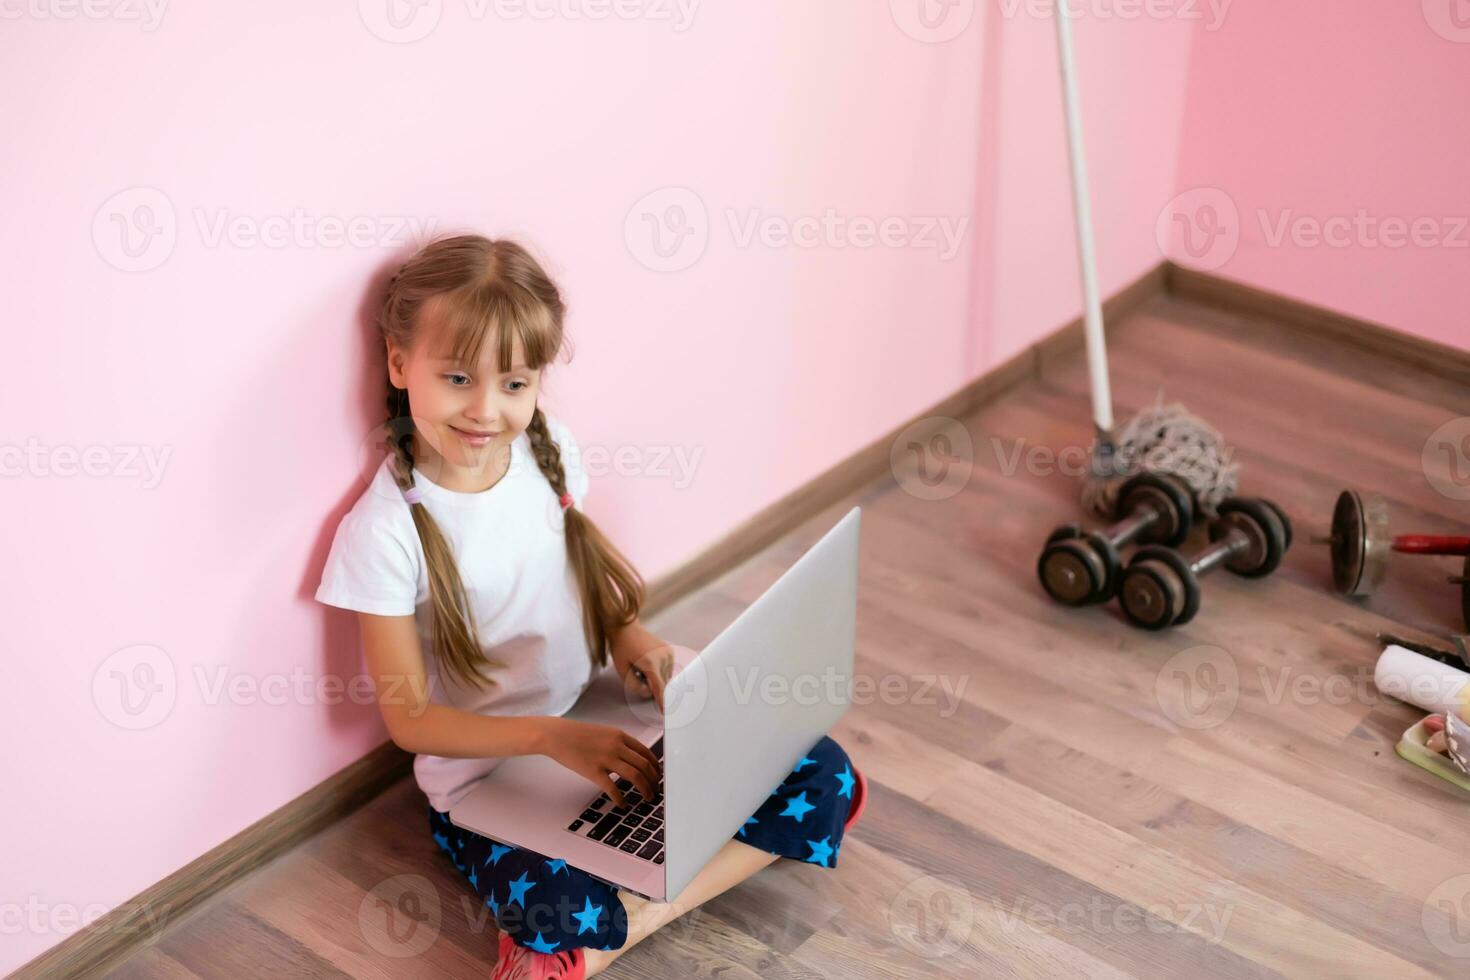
[549,906]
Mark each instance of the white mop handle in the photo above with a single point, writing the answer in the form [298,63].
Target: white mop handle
[1097,352]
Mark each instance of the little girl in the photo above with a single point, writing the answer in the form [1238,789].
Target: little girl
[470,543]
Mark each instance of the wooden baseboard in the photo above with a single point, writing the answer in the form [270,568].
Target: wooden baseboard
[99,947]
[1335,328]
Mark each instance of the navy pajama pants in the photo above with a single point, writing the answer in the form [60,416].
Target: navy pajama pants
[549,906]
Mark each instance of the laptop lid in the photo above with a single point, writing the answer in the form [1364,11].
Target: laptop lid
[741,715]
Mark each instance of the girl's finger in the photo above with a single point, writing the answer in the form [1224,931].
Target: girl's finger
[640,775]
[657,681]
[1438,742]
[629,742]
[611,789]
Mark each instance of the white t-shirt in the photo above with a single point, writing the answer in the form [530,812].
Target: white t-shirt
[510,545]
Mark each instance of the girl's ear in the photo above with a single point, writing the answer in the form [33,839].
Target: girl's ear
[397,362]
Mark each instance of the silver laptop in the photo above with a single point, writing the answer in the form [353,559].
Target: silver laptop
[738,717]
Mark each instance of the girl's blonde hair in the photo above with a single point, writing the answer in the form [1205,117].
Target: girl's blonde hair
[482,289]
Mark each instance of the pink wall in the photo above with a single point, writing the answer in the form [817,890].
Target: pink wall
[1327,144]
[239,367]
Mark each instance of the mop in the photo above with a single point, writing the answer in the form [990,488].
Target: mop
[1163,438]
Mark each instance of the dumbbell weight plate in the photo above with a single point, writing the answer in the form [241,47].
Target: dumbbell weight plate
[1258,522]
[1069,530]
[1187,579]
[1151,595]
[1166,493]
[1071,572]
[1360,543]
[1285,521]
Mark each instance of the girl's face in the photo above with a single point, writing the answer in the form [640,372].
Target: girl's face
[453,404]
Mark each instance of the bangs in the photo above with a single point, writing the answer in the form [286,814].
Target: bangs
[475,315]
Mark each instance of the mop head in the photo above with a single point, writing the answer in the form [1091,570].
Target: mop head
[1166,439]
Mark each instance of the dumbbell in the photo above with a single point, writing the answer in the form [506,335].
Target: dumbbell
[1161,587]
[1078,568]
[1360,545]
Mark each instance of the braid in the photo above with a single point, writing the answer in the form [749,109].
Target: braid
[547,452]
[613,595]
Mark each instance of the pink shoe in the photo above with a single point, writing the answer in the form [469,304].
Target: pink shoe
[859,800]
[519,963]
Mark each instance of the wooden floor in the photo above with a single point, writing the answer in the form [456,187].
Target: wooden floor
[1075,811]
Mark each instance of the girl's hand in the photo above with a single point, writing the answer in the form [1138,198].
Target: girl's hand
[649,674]
[593,751]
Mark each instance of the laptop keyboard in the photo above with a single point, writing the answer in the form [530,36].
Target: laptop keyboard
[637,827]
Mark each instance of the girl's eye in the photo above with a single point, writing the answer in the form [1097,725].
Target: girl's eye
[451,378]
[521,383]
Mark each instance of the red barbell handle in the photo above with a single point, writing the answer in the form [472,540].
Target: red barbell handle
[1431,544]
